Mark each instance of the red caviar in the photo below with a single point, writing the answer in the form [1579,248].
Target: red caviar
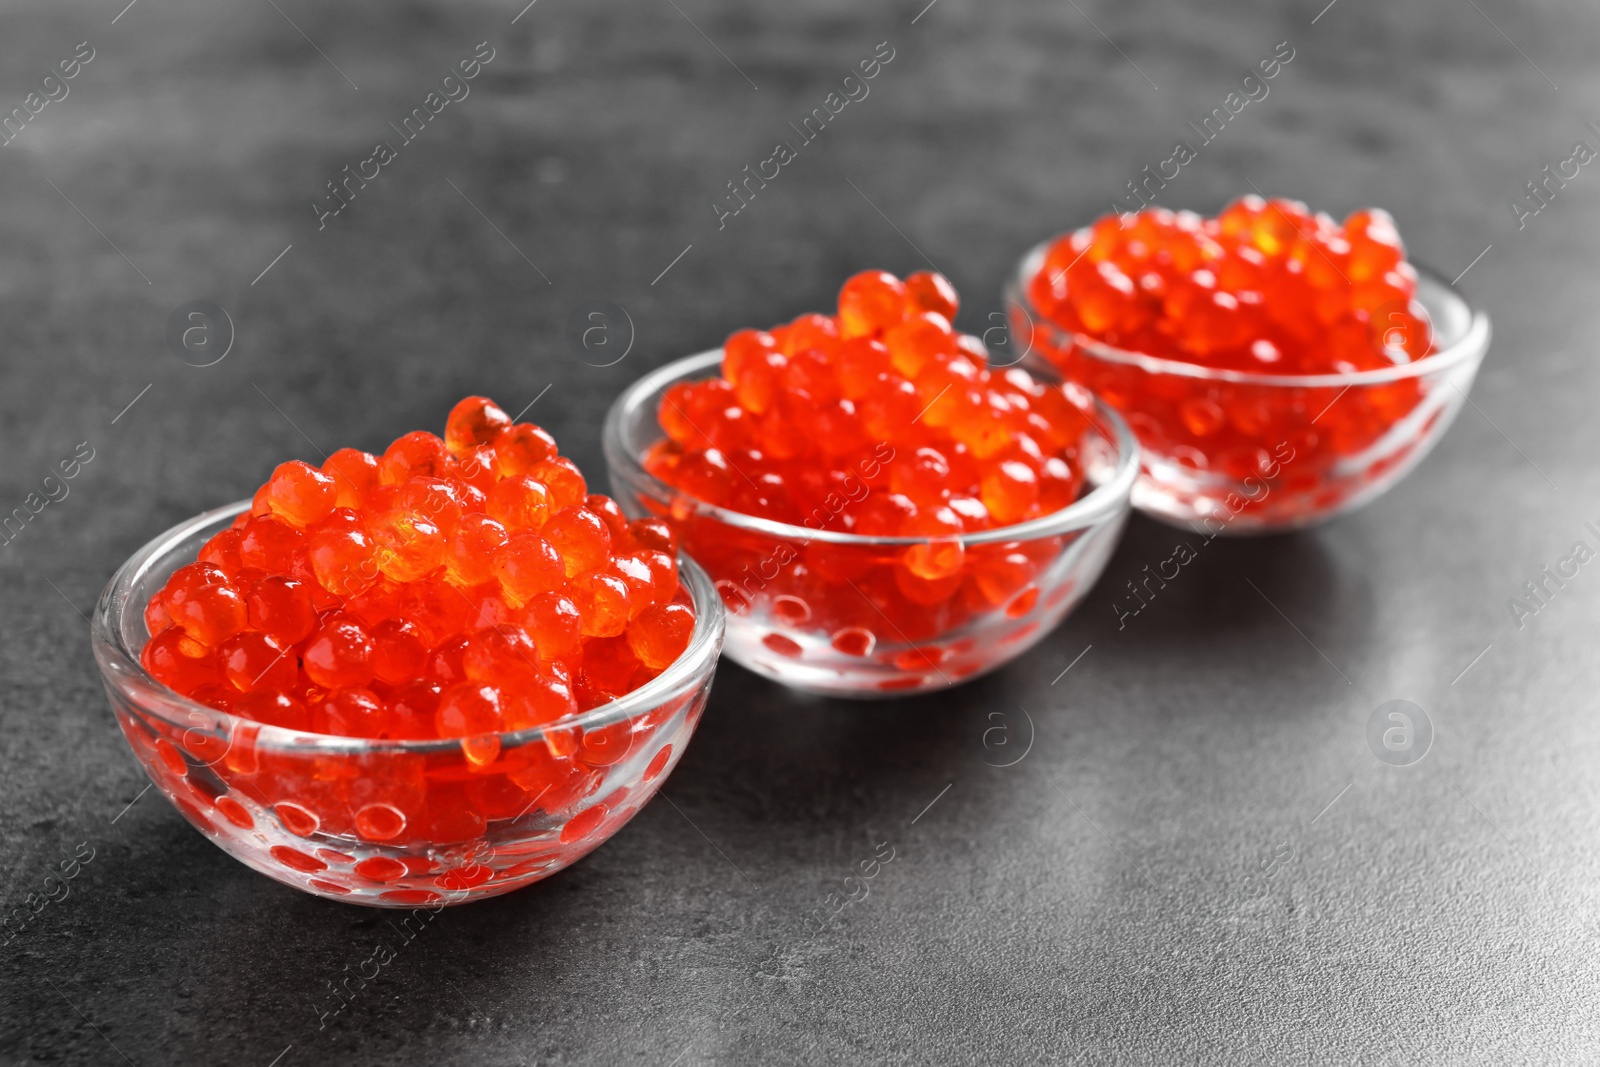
[1267,288]
[802,409]
[452,587]
[453,591]
[880,420]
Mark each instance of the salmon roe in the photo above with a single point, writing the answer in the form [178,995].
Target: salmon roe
[451,587]
[880,420]
[885,394]
[1266,288]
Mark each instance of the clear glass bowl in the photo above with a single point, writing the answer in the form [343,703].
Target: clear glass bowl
[398,824]
[1277,451]
[821,610]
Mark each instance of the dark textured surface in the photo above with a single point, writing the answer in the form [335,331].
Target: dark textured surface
[1092,903]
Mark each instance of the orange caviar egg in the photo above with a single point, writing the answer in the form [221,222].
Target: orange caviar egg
[519,503]
[468,709]
[300,494]
[581,537]
[418,453]
[474,421]
[528,565]
[553,622]
[343,559]
[602,602]
[561,477]
[469,558]
[351,711]
[871,302]
[267,543]
[930,291]
[179,661]
[354,474]
[340,653]
[282,608]
[254,660]
[399,650]
[206,605]
[518,447]
[660,635]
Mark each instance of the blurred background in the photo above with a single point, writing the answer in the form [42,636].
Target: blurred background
[1197,858]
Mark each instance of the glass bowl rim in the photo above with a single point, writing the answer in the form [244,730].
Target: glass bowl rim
[705,645]
[1471,345]
[1099,504]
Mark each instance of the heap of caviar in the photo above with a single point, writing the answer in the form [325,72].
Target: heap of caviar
[884,395]
[879,421]
[1266,286]
[448,588]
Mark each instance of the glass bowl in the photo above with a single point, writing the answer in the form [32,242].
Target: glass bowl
[399,824]
[1239,452]
[823,611]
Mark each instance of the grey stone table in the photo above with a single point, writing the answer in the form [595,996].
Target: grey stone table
[1198,860]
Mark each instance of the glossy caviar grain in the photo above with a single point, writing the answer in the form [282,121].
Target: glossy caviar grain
[453,587]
